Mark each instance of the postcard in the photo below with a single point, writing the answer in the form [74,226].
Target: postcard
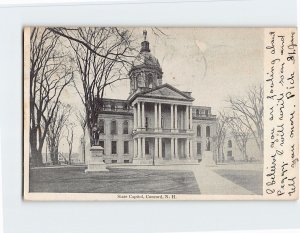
[154,113]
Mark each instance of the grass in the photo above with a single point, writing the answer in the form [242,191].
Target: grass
[250,180]
[74,180]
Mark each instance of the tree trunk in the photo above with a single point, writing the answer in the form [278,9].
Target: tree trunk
[36,154]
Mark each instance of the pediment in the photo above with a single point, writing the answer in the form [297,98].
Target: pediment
[167,91]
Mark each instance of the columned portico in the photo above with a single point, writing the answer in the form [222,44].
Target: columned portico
[164,128]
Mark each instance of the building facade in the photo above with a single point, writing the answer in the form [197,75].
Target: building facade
[157,123]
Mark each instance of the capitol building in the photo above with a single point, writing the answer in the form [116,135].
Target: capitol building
[157,123]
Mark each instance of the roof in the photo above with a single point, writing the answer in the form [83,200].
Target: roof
[165,91]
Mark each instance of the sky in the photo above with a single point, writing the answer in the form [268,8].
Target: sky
[212,63]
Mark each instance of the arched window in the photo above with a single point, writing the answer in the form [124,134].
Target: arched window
[150,80]
[199,131]
[207,131]
[125,127]
[101,126]
[229,144]
[113,127]
[206,112]
[197,112]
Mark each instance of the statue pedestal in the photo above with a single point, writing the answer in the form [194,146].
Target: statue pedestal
[207,159]
[95,161]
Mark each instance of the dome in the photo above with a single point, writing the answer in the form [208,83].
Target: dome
[146,59]
[145,72]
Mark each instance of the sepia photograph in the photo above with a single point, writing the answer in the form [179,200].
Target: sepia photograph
[144,113]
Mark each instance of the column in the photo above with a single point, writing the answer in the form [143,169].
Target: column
[143,115]
[159,116]
[134,117]
[160,147]
[191,149]
[186,120]
[172,148]
[191,117]
[139,148]
[172,118]
[176,126]
[138,115]
[156,147]
[143,147]
[187,148]
[176,147]
[134,148]
[155,116]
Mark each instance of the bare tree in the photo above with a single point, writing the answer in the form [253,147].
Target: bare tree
[81,118]
[250,111]
[102,56]
[54,133]
[49,75]
[220,136]
[240,133]
[70,138]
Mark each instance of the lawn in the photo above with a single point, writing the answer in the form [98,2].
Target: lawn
[74,180]
[251,180]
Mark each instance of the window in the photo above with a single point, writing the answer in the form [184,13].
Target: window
[101,106]
[206,112]
[125,127]
[126,147]
[125,106]
[198,148]
[114,161]
[126,161]
[229,153]
[101,143]
[162,122]
[147,149]
[229,144]
[113,106]
[197,112]
[101,126]
[208,145]
[199,131]
[113,127]
[114,147]
[207,131]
